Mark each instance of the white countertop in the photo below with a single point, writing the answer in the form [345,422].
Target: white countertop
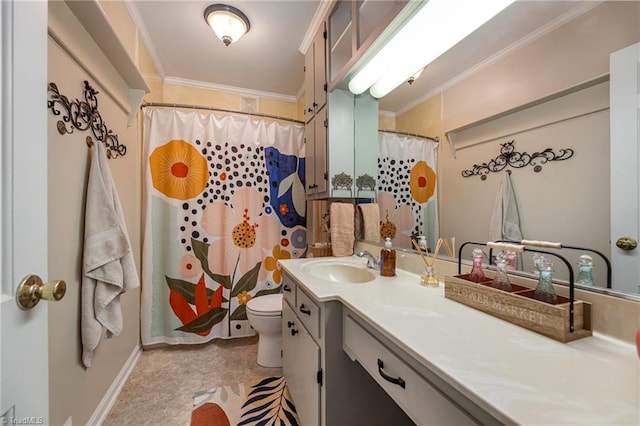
[515,374]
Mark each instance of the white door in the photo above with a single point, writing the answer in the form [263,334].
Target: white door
[625,162]
[24,395]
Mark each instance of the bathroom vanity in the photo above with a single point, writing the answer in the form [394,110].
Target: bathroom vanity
[328,389]
[440,361]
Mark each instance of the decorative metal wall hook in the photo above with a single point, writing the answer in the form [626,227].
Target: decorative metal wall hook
[83,115]
[508,157]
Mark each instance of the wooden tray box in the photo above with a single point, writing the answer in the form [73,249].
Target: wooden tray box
[519,307]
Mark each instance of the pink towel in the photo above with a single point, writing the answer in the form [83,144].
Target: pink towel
[342,228]
[371,221]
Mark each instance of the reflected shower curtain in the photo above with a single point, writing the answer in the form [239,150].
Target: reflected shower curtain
[407,193]
[224,200]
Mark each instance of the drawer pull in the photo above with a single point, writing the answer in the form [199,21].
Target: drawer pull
[399,381]
[305,310]
[286,288]
[294,331]
[290,324]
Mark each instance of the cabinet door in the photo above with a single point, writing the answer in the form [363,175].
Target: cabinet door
[366,145]
[309,83]
[340,104]
[320,153]
[320,69]
[310,157]
[300,366]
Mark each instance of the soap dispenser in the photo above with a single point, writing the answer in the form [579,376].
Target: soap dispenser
[388,259]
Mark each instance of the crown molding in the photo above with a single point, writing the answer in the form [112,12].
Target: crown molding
[231,89]
[318,17]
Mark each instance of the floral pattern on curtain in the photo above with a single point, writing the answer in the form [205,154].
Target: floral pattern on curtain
[407,193]
[224,200]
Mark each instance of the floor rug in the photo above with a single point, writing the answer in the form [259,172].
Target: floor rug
[266,402]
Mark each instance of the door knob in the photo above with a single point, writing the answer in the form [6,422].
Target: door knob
[626,243]
[32,289]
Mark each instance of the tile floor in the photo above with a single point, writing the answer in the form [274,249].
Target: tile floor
[160,389]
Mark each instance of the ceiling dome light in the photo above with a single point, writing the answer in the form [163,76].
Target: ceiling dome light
[227,22]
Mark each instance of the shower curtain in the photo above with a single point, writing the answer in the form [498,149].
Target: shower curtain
[407,193]
[224,200]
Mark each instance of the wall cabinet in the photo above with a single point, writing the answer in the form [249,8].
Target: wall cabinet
[348,124]
[353,28]
[339,124]
[315,77]
[326,386]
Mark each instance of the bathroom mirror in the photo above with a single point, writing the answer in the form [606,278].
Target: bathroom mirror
[536,76]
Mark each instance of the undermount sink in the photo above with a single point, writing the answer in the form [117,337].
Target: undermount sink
[340,272]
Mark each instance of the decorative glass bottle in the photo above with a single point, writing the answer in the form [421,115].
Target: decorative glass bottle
[428,277]
[477,273]
[422,243]
[512,261]
[501,280]
[544,291]
[585,270]
[537,261]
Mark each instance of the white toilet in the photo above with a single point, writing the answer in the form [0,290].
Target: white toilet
[265,316]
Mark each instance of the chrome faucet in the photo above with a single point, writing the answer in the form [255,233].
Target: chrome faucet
[372,262]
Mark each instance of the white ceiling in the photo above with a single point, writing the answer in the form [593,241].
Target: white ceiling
[268,58]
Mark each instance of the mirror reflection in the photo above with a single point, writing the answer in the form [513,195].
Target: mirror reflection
[536,78]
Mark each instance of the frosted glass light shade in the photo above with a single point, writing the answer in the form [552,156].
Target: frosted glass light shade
[227,22]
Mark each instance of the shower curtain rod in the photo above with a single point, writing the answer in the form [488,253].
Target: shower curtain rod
[435,139]
[208,108]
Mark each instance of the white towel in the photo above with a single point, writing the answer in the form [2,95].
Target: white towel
[342,228]
[371,221]
[108,266]
[505,219]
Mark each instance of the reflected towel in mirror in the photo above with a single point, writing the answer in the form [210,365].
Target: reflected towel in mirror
[370,221]
[342,228]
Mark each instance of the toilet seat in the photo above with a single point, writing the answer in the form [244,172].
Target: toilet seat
[269,305]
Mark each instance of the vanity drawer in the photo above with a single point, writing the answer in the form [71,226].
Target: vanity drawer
[288,289]
[308,312]
[412,392]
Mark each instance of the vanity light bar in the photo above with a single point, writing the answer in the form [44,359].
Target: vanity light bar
[434,29]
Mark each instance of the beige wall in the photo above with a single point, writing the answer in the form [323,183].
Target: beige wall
[76,392]
[540,114]
[560,60]
[203,96]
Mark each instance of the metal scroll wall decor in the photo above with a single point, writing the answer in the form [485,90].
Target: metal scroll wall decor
[84,115]
[365,183]
[342,182]
[508,157]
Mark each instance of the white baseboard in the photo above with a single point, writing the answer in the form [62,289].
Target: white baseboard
[102,410]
